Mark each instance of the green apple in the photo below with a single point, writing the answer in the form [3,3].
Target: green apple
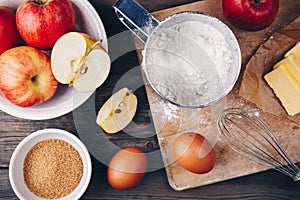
[80,61]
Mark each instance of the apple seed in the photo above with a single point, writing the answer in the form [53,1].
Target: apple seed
[80,67]
[84,70]
[118,110]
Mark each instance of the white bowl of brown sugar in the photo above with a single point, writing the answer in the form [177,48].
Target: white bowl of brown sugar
[50,164]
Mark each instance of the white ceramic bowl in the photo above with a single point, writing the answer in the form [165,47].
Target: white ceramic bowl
[16,163]
[66,99]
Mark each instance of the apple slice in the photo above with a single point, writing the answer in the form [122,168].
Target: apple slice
[78,60]
[118,111]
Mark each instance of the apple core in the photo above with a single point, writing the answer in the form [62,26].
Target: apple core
[80,61]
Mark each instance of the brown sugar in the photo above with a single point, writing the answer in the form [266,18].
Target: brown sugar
[52,169]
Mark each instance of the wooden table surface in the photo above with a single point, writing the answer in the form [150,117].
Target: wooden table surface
[265,185]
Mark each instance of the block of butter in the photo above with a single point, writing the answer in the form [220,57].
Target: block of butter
[294,50]
[284,79]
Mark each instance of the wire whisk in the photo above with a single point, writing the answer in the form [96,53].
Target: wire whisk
[250,137]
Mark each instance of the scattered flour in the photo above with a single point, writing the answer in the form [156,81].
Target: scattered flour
[188,63]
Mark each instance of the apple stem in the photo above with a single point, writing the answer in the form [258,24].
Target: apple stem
[93,47]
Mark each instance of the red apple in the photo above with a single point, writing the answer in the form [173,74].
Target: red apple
[41,22]
[250,15]
[8,29]
[26,78]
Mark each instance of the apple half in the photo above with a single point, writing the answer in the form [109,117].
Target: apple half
[118,111]
[80,61]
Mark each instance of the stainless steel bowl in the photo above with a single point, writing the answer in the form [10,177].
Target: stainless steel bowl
[146,27]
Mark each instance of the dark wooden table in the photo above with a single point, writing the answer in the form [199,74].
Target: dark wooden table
[266,185]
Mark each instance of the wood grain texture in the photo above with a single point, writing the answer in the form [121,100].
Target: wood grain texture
[203,120]
[267,185]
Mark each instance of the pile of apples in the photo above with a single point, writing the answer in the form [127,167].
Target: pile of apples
[28,76]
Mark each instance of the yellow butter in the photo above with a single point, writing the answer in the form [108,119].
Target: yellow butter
[282,62]
[294,50]
[286,88]
[292,64]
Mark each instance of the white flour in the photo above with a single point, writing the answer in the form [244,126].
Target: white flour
[188,63]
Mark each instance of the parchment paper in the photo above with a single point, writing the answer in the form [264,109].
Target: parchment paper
[254,88]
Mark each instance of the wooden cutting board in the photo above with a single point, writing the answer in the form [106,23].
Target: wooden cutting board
[170,121]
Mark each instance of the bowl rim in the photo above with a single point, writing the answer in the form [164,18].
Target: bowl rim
[77,99]
[234,41]
[43,134]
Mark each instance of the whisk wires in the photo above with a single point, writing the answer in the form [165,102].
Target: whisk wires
[250,137]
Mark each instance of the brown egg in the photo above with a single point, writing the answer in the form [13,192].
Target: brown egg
[127,168]
[193,152]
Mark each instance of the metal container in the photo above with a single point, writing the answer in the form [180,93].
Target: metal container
[147,28]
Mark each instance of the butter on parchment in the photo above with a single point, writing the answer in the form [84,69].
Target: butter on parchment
[284,79]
